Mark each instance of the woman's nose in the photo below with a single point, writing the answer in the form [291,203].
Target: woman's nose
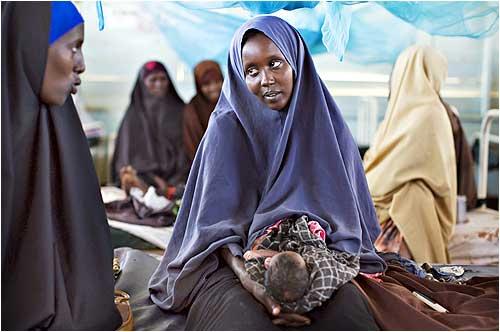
[80,64]
[267,78]
[159,85]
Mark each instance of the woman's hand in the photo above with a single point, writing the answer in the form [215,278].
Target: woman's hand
[258,291]
[291,319]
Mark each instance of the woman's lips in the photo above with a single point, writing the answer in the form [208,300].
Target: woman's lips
[74,87]
[271,96]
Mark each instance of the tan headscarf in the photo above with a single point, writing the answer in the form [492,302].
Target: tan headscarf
[411,167]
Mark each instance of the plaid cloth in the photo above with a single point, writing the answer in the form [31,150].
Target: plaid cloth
[329,269]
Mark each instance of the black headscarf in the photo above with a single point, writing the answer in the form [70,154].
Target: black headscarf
[56,247]
[150,135]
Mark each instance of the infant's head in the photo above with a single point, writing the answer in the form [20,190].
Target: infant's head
[287,277]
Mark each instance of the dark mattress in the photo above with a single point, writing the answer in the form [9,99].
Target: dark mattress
[138,266]
[136,269]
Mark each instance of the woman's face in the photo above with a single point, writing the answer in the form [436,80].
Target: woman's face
[267,74]
[64,65]
[211,90]
[157,83]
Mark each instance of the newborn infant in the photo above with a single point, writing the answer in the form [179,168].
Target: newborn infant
[286,278]
[292,261]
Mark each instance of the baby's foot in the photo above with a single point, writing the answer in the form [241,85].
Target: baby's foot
[129,179]
[127,182]
[127,170]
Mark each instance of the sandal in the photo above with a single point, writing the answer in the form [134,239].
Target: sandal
[123,306]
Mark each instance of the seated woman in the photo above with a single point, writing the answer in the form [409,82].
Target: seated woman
[208,78]
[276,145]
[411,166]
[56,247]
[150,136]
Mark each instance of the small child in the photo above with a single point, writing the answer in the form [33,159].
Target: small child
[295,266]
[286,277]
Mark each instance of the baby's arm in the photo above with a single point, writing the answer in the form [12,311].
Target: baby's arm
[259,253]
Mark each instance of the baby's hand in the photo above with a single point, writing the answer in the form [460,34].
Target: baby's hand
[249,255]
[267,263]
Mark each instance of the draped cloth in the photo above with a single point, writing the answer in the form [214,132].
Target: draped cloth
[410,166]
[56,246]
[256,165]
[472,305]
[150,135]
[199,109]
[466,184]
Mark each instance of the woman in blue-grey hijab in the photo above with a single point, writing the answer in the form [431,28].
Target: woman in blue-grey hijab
[276,146]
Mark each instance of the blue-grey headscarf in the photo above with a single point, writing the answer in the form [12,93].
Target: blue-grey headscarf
[256,165]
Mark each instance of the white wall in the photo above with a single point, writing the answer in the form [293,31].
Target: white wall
[130,38]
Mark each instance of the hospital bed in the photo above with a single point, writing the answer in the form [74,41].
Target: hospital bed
[476,240]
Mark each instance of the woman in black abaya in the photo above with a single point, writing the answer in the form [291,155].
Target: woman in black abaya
[149,146]
[56,247]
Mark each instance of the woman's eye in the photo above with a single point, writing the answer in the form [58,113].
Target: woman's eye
[275,64]
[76,47]
[252,72]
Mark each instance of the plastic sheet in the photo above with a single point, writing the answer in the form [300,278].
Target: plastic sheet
[362,32]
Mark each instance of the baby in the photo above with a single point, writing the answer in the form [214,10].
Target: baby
[286,276]
[130,179]
[295,266]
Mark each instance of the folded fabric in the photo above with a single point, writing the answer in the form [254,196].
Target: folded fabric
[471,306]
[447,273]
[316,229]
[452,274]
[133,210]
[408,264]
[150,199]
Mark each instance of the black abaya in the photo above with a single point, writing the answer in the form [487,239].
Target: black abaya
[223,304]
[56,246]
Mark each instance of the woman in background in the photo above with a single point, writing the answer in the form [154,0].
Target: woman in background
[411,166]
[56,247]
[149,142]
[208,78]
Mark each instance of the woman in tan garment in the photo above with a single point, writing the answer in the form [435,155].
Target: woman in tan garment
[411,165]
